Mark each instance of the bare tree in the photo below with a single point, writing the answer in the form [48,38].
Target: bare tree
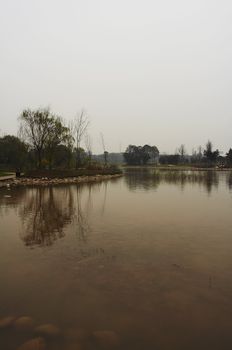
[199,153]
[79,127]
[182,152]
[104,149]
[88,146]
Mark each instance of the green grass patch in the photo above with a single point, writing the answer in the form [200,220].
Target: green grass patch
[3,173]
[50,174]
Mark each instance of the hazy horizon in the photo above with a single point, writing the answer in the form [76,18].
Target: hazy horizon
[145,71]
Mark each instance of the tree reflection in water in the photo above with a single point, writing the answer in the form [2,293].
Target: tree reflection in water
[81,216]
[45,213]
[147,179]
[229,180]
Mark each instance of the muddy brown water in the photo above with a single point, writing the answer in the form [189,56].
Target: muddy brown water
[147,256]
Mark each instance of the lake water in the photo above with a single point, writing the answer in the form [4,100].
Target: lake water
[147,256]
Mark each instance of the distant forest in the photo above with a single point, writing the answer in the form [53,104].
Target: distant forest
[207,157]
[45,141]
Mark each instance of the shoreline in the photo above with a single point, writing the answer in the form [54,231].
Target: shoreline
[176,168]
[17,182]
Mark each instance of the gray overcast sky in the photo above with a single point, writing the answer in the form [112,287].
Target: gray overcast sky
[157,72]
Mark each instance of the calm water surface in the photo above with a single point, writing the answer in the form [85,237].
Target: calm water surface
[147,256]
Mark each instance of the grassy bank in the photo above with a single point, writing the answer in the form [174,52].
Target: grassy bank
[61,174]
[3,173]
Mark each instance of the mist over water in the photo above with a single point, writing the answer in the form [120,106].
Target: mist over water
[147,256]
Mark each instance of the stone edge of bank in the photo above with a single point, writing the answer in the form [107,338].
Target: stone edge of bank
[16,182]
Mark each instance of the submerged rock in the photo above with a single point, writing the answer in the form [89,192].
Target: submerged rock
[7,321]
[33,344]
[77,334]
[24,323]
[74,347]
[48,330]
[106,339]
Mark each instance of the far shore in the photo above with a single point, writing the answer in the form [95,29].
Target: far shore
[175,167]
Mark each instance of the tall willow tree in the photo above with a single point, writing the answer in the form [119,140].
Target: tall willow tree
[59,134]
[43,131]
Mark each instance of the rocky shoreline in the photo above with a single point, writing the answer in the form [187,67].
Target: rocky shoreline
[16,182]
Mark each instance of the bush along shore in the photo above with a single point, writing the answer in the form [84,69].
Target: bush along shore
[45,178]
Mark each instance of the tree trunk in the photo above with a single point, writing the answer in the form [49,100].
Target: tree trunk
[39,159]
[78,160]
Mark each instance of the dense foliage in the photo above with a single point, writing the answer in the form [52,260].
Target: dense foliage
[141,155]
[13,152]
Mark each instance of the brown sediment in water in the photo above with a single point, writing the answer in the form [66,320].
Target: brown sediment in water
[147,256]
[39,337]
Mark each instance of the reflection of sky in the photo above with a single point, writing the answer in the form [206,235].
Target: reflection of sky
[159,258]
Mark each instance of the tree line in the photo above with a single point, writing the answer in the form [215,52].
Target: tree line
[142,155]
[202,157]
[46,141]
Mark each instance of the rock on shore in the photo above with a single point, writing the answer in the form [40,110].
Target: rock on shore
[55,181]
